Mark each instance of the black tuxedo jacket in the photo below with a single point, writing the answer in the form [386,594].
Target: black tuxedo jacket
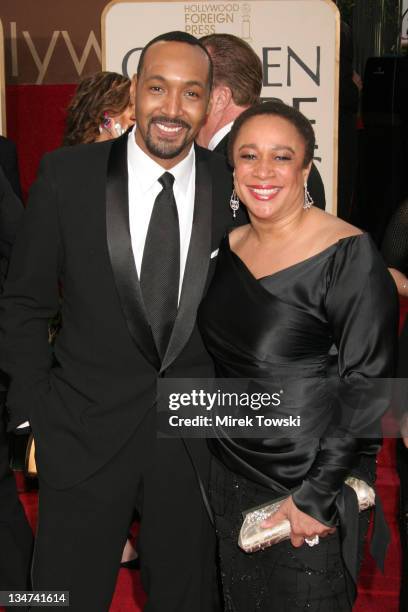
[8,161]
[15,534]
[88,399]
[315,183]
[11,210]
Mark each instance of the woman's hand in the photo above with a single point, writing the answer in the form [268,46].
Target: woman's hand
[301,525]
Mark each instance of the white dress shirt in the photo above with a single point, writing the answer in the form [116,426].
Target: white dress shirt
[218,136]
[144,187]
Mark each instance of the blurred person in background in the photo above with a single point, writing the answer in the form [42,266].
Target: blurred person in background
[102,108]
[16,538]
[237,86]
[350,86]
[395,252]
[9,164]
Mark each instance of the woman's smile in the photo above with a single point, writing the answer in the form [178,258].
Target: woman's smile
[264,193]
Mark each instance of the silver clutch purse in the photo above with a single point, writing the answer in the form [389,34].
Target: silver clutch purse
[253,537]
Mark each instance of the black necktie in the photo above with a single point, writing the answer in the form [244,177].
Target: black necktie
[160,272]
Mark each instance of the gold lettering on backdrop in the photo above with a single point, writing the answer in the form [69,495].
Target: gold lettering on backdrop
[203,19]
[42,66]
[246,23]
[91,43]
[72,57]
[13,42]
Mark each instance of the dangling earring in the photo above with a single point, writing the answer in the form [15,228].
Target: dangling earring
[234,203]
[308,201]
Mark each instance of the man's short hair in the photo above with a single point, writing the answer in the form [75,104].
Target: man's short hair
[177,36]
[235,65]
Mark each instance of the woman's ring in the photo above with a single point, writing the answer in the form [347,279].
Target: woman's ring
[312,541]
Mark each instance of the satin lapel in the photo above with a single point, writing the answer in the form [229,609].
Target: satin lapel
[120,251]
[198,261]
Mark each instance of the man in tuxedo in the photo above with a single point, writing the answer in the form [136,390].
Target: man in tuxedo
[237,86]
[16,538]
[131,228]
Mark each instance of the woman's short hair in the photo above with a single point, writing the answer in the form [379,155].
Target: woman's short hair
[103,92]
[277,109]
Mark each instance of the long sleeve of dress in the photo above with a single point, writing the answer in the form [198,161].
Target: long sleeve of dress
[362,309]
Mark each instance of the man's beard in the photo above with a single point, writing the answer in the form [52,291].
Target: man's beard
[162,148]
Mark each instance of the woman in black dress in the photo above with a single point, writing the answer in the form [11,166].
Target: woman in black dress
[288,286]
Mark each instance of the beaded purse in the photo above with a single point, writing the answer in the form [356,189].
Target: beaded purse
[253,537]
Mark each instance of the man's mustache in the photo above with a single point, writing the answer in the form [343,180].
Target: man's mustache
[170,122]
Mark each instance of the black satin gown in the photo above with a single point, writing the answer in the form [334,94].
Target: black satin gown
[281,328]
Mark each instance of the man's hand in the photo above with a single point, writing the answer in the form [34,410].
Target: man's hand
[301,525]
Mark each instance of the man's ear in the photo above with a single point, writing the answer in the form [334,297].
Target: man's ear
[132,89]
[209,104]
[221,97]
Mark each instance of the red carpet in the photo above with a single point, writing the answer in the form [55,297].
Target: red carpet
[377,591]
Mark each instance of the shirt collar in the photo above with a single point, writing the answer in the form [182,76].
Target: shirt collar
[147,171]
[218,136]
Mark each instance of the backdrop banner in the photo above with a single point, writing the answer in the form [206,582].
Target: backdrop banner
[297,41]
[51,42]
